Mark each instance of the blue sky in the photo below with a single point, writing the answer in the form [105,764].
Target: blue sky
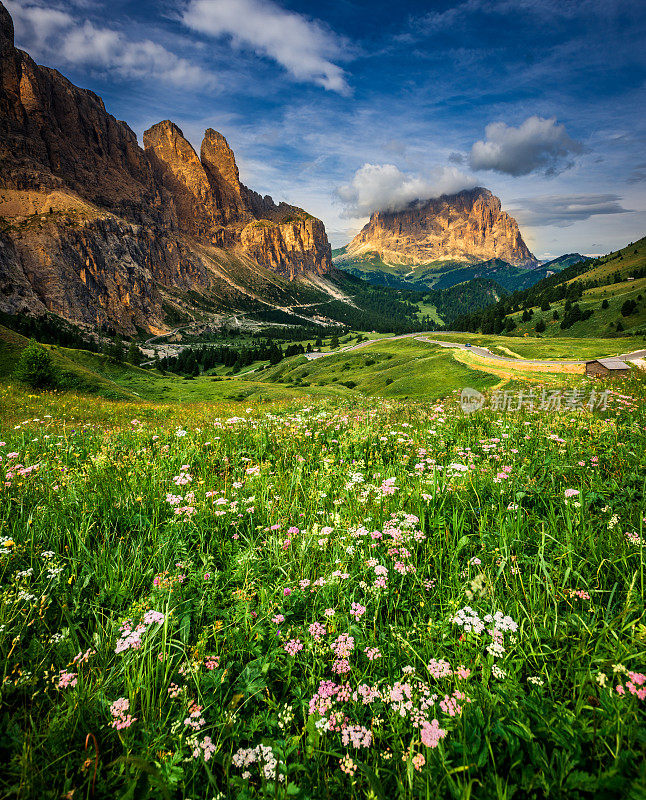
[346,107]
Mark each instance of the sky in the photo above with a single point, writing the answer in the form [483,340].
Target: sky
[348,107]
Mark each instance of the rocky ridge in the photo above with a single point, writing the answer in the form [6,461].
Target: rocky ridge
[101,231]
[468,226]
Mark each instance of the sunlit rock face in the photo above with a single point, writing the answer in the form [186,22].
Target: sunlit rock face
[467,226]
[98,230]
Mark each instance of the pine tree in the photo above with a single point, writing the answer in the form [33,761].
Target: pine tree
[117,351]
[135,356]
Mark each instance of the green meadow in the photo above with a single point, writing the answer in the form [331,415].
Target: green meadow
[323,579]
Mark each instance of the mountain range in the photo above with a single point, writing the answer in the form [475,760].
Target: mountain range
[102,232]
[107,234]
[444,242]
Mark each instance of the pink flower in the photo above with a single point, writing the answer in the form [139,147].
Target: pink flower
[195,720]
[153,617]
[357,736]
[343,645]
[317,630]
[287,592]
[341,666]
[121,719]
[293,646]
[431,733]
[571,492]
[205,747]
[67,679]
[419,761]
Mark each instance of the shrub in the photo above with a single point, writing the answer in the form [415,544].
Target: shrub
[36,367]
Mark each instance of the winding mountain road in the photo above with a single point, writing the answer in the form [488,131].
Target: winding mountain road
[481,351]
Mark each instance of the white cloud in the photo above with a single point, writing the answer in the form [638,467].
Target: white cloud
[564,210]
[53,35]
[383,187]
[302,46]
[537,145]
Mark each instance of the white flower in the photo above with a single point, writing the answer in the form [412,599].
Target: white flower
[495,649]
[497,672]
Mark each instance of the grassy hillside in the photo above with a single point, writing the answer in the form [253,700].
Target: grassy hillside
[387,368]
[390,369]
[534,347]
[603,320]
[608,293]
[99,375]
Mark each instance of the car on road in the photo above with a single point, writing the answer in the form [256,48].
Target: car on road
[467,344]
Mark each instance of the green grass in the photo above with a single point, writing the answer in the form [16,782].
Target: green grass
[534,347]
[622,261]
[428,310]
[286,512]
[400,368]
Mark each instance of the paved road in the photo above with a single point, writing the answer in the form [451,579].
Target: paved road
[481,351]
[486,353]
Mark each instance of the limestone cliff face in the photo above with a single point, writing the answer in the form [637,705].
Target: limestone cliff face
[222,171]
[212,205]
[289,248]
[468,226]
[96,229]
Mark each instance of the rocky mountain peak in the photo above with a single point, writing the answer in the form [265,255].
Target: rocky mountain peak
[103,231]
[171,153]
[178,168]
[467,226]
[6,26]
[218,157]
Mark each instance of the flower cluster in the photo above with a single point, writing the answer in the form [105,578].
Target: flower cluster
[121,718]
[264,757]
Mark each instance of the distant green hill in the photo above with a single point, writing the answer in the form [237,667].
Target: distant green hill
[590,297]
[446,273]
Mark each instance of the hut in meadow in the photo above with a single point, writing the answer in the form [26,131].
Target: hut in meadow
[607,368]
